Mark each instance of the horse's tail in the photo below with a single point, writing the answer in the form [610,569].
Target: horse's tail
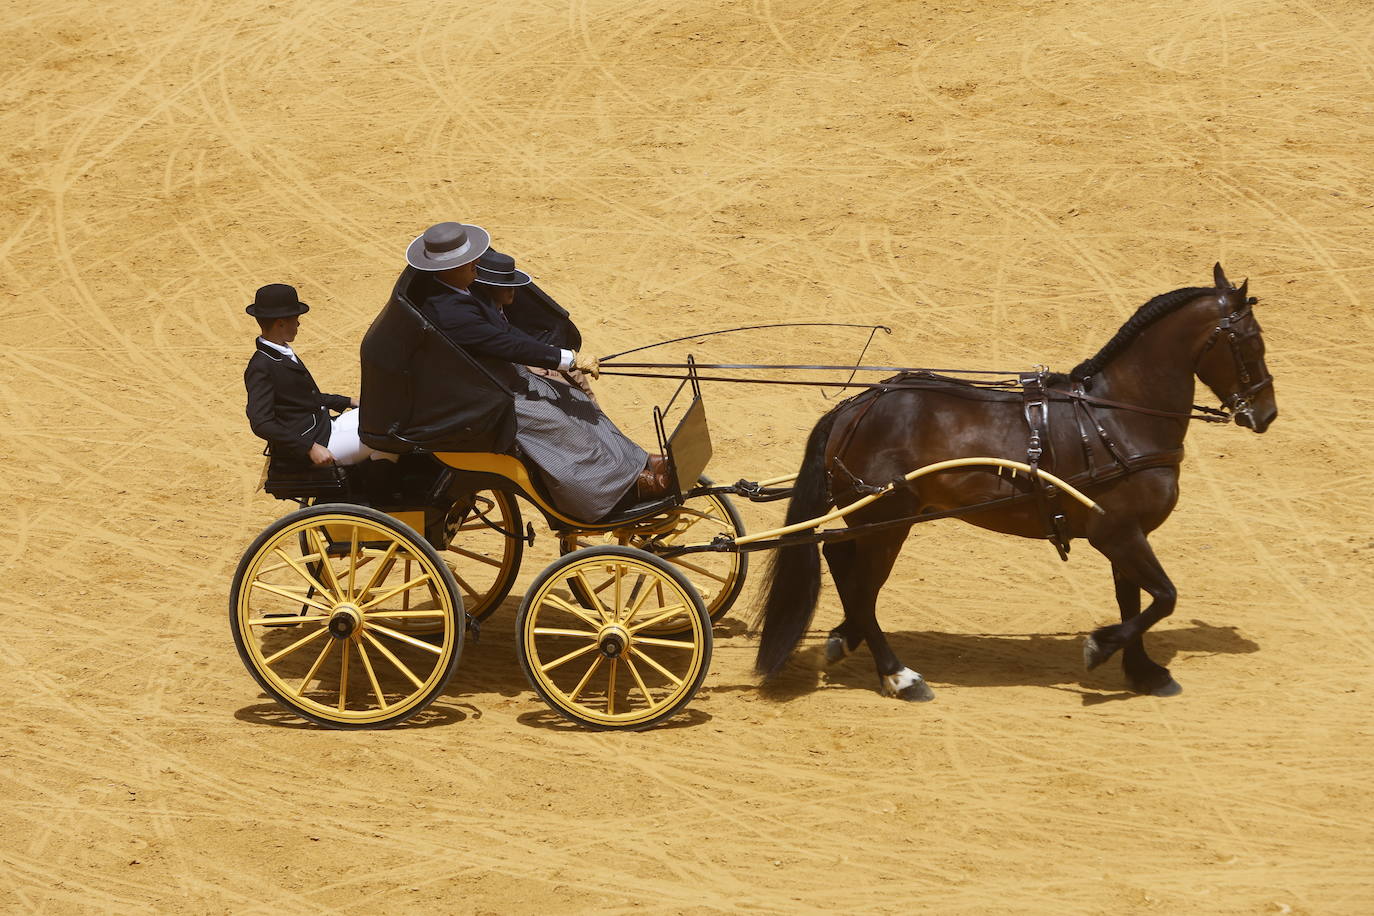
[793,579]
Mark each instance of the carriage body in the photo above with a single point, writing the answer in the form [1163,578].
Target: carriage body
[352,610]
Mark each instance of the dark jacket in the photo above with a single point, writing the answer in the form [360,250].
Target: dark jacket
[483,332]
[285,406]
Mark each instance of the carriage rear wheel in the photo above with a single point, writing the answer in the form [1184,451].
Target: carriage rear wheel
[316,611]
[718,577]
[587,638]
[485,559]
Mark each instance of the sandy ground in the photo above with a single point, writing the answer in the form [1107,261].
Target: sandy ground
[1002,182]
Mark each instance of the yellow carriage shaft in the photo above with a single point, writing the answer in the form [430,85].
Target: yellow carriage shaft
[919,472]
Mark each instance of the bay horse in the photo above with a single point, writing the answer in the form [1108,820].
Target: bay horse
[1113,427]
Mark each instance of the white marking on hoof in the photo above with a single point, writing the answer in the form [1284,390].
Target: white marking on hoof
[835,649]
[906,685]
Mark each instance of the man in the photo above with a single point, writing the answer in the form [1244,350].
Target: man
[496,284]
[285,406]
[587,465]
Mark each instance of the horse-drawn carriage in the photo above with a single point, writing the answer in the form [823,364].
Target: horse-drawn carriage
[352,610]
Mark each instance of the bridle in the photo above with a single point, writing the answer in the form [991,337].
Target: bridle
[1235,328]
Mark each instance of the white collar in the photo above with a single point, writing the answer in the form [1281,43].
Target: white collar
[283,349]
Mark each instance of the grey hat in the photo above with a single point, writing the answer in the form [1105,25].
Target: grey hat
[497,269]
[447,245]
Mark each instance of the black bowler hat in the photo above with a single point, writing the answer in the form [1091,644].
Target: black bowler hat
[497,269]
[277,300]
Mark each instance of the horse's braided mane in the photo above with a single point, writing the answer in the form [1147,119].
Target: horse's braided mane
[1144,316]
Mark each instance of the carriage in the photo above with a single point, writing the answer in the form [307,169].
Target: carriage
[352,611]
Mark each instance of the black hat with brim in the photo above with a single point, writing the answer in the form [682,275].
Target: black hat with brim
[497,269]
[277,300]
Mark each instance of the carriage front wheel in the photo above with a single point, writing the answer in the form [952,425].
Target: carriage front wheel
[317,611]
[587,638]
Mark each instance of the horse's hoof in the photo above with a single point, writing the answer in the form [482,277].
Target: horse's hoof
[835,649]
[907,685]
[1094,653]
[1171,688]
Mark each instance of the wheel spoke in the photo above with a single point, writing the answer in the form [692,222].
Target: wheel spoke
[382,570]
[309,675]
[555,631]
[410,640]
[577,612]
[586,678]
[699,570]
[343,675]
[372,676]
[475,556]
[463,583]
[638,602]
[323,549]
[284,619]
[665,643]
[639,681]
[302,571]
[367,634]
[294,646]
[664,615]
[288,593]
[677,681]
[391,615]
[591,594]
[413,583]
[610,688]
[353,561]
[576,653]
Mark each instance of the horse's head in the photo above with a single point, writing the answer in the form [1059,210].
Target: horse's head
[1231,362]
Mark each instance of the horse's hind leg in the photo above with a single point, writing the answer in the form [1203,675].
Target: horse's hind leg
[860,568]
[1134,567]
[845,638]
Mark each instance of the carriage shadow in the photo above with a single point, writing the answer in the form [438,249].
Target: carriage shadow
[274,715]
[1052,660]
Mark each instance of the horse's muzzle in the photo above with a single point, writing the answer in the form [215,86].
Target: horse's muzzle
[1257,420]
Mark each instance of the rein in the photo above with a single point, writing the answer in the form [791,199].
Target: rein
[1001,380]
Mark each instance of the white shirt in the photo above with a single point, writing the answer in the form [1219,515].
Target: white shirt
[565,361]
[283,349]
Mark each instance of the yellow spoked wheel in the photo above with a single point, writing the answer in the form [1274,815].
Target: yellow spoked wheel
[318,607]
[718,577]
[584,638]
[484,559]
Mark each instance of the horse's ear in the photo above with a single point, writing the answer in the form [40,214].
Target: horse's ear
[1219,277]
[1244,288]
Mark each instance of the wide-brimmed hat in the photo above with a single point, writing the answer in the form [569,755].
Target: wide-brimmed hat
[497,269]
[277,300]
[447,245]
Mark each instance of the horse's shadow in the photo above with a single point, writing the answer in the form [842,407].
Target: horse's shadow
[1000,660]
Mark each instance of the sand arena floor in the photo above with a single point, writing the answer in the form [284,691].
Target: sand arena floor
[1002,182]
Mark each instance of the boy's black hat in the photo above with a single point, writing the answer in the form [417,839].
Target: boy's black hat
[277,300]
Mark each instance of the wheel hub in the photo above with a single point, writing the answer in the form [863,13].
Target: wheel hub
[345,621]
[613,641]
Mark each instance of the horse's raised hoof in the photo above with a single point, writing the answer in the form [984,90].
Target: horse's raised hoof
[1095,653]
[835,649]
[907,685]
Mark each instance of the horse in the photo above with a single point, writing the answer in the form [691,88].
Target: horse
[1113,427]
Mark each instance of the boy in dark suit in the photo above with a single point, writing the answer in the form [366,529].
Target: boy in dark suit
[285,406]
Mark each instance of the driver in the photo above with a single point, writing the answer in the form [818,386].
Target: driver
[586,463]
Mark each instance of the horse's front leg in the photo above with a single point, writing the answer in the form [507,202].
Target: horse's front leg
[1143,673]
[860,568]
[1134,567]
